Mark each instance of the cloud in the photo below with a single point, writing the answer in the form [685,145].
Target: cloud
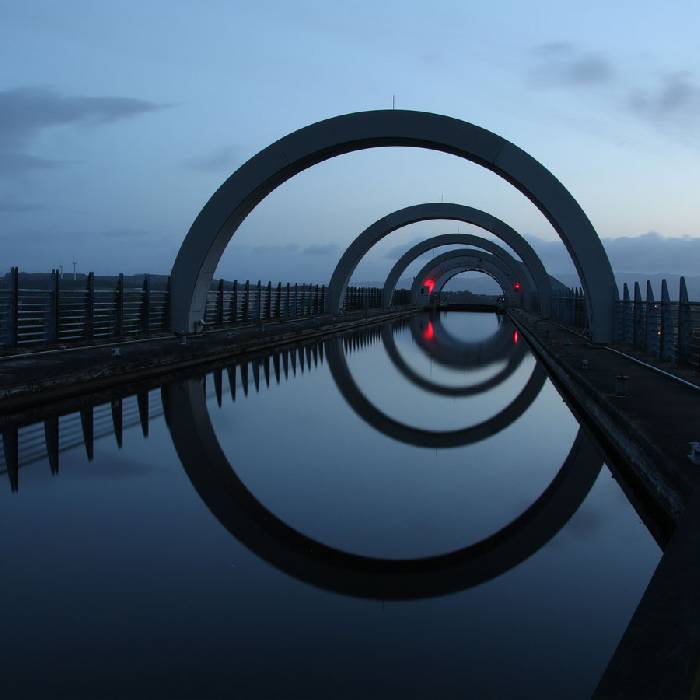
[676,99]
[26,112]
[397,251]
[648,253]
[563,64]
[326,249]
[23,162]
[225,158]
[269,249]
[11,206]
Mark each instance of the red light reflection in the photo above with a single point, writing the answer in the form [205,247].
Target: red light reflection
[430,284]
[429,332]
[516,337]
[516,286]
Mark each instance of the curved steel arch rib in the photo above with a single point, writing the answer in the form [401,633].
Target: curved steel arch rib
[221,216]
[311,561]
[532,264]
[514,267]
[457,261]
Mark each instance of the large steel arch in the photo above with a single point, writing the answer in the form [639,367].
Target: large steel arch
[532,263]
[221,216]
[456,261]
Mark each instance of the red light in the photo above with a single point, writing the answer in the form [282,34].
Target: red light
[430,284]
[516,286]
[516,337]
[429,331]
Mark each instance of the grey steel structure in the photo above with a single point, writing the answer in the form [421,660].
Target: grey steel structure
[447,265]
[533,265]
[221,216]
[515,267]
[431,211]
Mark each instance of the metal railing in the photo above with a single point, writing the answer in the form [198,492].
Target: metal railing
[569,308]
[91,309]
[667,330]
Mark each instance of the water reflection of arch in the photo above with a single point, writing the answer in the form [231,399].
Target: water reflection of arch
[311,561]
[449,351]
[420,437]
[456,261]
[514,361]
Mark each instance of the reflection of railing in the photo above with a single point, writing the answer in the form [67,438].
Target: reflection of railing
[49,309]
[28,444]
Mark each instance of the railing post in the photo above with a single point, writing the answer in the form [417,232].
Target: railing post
[146,305]
[288,306]
[572,306]
[322,306]
[53,311]
[220,303]
[651,340]
[268,301]
[234,303]
[637,318]
[89,327]
[166,303]
[684,324]
[13,309]
[667,344]
[296,300]
[246,300]
[627,317]
[258,302]
[278,301]
[119,308]
[619,327]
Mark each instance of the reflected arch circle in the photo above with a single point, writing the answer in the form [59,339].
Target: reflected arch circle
[454,353]
[221,216]
[420,437]
[313,562]
[532,264]
[445,266]
[513,362]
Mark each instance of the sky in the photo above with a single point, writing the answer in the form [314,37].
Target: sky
[119,120]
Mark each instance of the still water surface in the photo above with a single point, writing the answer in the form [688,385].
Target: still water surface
[371,525]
